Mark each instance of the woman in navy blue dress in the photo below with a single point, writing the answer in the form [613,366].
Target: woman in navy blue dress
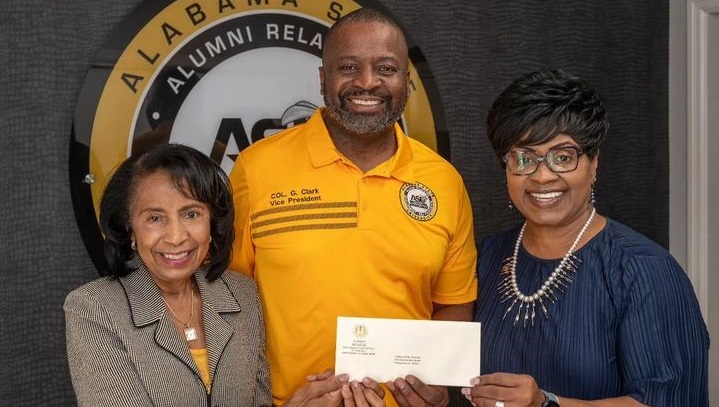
[576,309]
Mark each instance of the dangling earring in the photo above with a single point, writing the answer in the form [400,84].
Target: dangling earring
[592,198]
[133,246]
[510,205]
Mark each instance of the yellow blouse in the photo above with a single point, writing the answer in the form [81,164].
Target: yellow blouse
[203,366]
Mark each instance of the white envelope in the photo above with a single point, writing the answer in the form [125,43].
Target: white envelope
[445,353]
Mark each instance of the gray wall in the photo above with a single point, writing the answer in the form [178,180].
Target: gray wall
[713,243]
[473,47]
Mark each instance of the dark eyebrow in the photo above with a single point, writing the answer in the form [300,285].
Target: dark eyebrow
[152,209]
[389,59]
[350,58]
[558,146]
[198,205]
[565,145]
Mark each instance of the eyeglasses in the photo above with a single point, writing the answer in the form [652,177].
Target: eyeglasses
[562,159]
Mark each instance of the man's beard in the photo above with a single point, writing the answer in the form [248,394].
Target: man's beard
[361,123]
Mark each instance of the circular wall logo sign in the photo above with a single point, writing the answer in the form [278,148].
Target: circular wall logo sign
[215,76]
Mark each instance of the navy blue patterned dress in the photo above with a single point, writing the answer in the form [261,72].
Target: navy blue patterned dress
[629,324]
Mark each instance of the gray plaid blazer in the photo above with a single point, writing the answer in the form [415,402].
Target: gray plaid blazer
[123,349]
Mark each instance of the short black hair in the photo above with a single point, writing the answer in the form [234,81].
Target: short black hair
[192,173]
[539,105]
[361,15]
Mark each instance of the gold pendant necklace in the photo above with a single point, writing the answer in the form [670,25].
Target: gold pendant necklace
[559,279]
[190,332]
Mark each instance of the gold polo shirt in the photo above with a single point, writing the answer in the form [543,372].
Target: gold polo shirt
[323,239]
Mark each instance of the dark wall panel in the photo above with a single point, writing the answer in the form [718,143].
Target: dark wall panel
[474,49]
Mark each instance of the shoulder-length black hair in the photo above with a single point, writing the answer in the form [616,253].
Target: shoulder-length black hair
[192,173]
[539,105]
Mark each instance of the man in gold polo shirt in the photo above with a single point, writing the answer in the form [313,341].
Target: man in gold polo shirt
[347,216]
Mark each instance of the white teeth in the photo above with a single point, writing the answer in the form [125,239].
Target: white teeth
[365,102]
[178,256]
[546,195]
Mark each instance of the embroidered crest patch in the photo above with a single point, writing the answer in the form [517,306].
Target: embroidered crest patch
[418,201]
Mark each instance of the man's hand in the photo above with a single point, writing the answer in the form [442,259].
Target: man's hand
[412,392]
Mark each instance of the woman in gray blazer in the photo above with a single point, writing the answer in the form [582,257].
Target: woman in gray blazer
[167,326]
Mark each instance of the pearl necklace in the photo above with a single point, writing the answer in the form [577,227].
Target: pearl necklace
[559,279]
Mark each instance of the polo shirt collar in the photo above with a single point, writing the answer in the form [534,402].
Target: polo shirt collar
[320,147]
[322,150]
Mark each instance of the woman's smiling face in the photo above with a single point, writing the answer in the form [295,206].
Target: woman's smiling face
[546,198]
[170,229]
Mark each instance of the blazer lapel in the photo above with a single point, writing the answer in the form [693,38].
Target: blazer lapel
[147,308]
[168,338]
[216,299]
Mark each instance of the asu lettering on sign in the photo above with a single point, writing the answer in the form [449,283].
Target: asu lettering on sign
[216,76]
